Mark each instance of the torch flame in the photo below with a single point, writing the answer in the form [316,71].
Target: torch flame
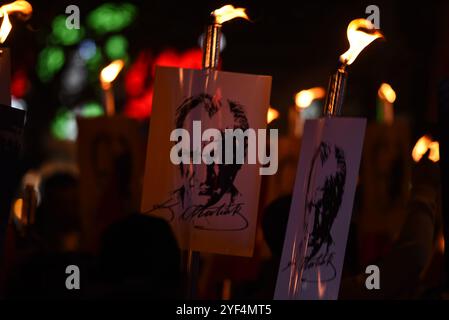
[304,98]
[422,145]
[23,8]
[359,39]
[227,13]
[386,92]
[434,154]
[272,115]
[110,72]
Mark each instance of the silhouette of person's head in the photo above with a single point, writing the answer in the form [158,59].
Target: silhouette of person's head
[208,183]
[139,256]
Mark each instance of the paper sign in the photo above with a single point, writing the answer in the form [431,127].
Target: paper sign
[320,214]
[211,207]
[110,155]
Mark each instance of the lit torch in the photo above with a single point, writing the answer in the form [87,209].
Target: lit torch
[385,111]
[361,33]
[22,10]
[211,46]
[107,76]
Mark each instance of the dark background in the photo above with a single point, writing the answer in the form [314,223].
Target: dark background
[297,43]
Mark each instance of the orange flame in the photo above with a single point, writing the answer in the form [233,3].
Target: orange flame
[434,154]
[227,13]
[304,98]
[23,8]
[272,115]
[387,93]
[321,286]
[110,72]
[422,145]
[17,208]
[359,39]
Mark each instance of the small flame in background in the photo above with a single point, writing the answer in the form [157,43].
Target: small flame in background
[227,13]
[22,8]
[422,145]
[359,39]
[110,72]
[304,98]
[272,115]
[387,93]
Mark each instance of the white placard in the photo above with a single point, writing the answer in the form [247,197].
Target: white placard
[211,208]
[320,214]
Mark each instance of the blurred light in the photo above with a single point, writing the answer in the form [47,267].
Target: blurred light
[50,61]
[191,59]
[140,107]
[17,209]
[116,47]
[74,77]
[387,93]
[87,49]
[19,83]
[222,41]
[421,147]
[93,64]
[62,34]
[137,75]
[110,72]
[304,98]
[18,103]
[111,17]
[272,115]
[359,39]
[434,154]
[91,110]
[64,125]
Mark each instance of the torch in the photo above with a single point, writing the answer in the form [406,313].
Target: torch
[211,58]
[387,97]
[361,33]
[23,10]
[107,76]
[211,47]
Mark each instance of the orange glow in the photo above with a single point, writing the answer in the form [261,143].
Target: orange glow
[21,7]
[434,154]
[422,145]
[387,93]
[110,72]
[304,98]
[359,39]
[321,286]
[441,243]
[272,115]
[227,13]
[17,209]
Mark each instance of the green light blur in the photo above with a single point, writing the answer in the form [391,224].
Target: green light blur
[93,64]
[63,35]
[63,126]
[116,47]
[91,110]
[111,17]
[50,61]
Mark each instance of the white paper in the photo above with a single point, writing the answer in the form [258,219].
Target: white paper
[320,214]
[224,219]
